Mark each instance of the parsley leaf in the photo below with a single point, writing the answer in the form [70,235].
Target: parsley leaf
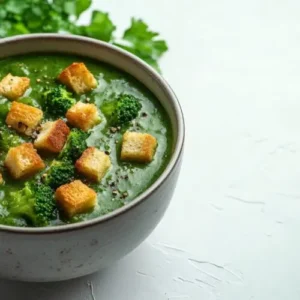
[38,16]
[81,6]
[72,7]
[101,27]
[143,42]
[15,6]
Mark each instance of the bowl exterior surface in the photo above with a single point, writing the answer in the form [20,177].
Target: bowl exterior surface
[55,254]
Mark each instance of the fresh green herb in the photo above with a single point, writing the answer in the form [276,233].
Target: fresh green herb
[100,20]
[42,16]
[143,42]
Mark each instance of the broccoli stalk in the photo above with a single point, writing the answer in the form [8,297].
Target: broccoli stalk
[122,111]
[60,172]
[34,203]
[75,145]
[57,100]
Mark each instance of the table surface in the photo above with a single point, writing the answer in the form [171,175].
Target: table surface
[230,232]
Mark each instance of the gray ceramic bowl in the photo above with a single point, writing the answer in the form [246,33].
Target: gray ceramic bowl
[69,251]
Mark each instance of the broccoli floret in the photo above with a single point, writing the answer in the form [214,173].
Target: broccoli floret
[75,145]
[8,139]
[34,203]
[10,221]
[57,100]
[60,172]
[122,111]
[5,218]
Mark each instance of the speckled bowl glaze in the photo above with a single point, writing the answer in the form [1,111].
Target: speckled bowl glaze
[69,251]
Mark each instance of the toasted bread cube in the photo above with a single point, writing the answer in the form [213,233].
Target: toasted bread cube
[24,118]
[93,164]
[75,198]
[23,161]
[83,116]
[138,147]
[13,87]
[53,136]
[78,78]
[1,179]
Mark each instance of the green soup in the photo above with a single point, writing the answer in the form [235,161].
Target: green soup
[125,180]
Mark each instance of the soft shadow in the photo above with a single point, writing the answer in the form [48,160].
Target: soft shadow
[79,288]
[122,277]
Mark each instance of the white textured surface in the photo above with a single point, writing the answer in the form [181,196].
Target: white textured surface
[232,230]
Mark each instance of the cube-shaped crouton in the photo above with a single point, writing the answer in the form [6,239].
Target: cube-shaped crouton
[78,78]
[83,116]
[53,136]
[1,179]
[13,87]
[93,164]
[138,147]
[23,161]
[24,118]
[75,198]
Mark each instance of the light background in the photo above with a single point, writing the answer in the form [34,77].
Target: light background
[232,230]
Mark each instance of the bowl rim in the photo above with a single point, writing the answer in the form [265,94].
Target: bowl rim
[174,161]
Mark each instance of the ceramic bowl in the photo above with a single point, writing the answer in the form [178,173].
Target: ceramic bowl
[69,251]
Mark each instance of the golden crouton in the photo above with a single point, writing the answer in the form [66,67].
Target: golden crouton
[1,179]
[83,116]
[93,164]
[13,87]
[75,198]
[53,136]
[139,147]
[23,161]
[24,118]
[78,78]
